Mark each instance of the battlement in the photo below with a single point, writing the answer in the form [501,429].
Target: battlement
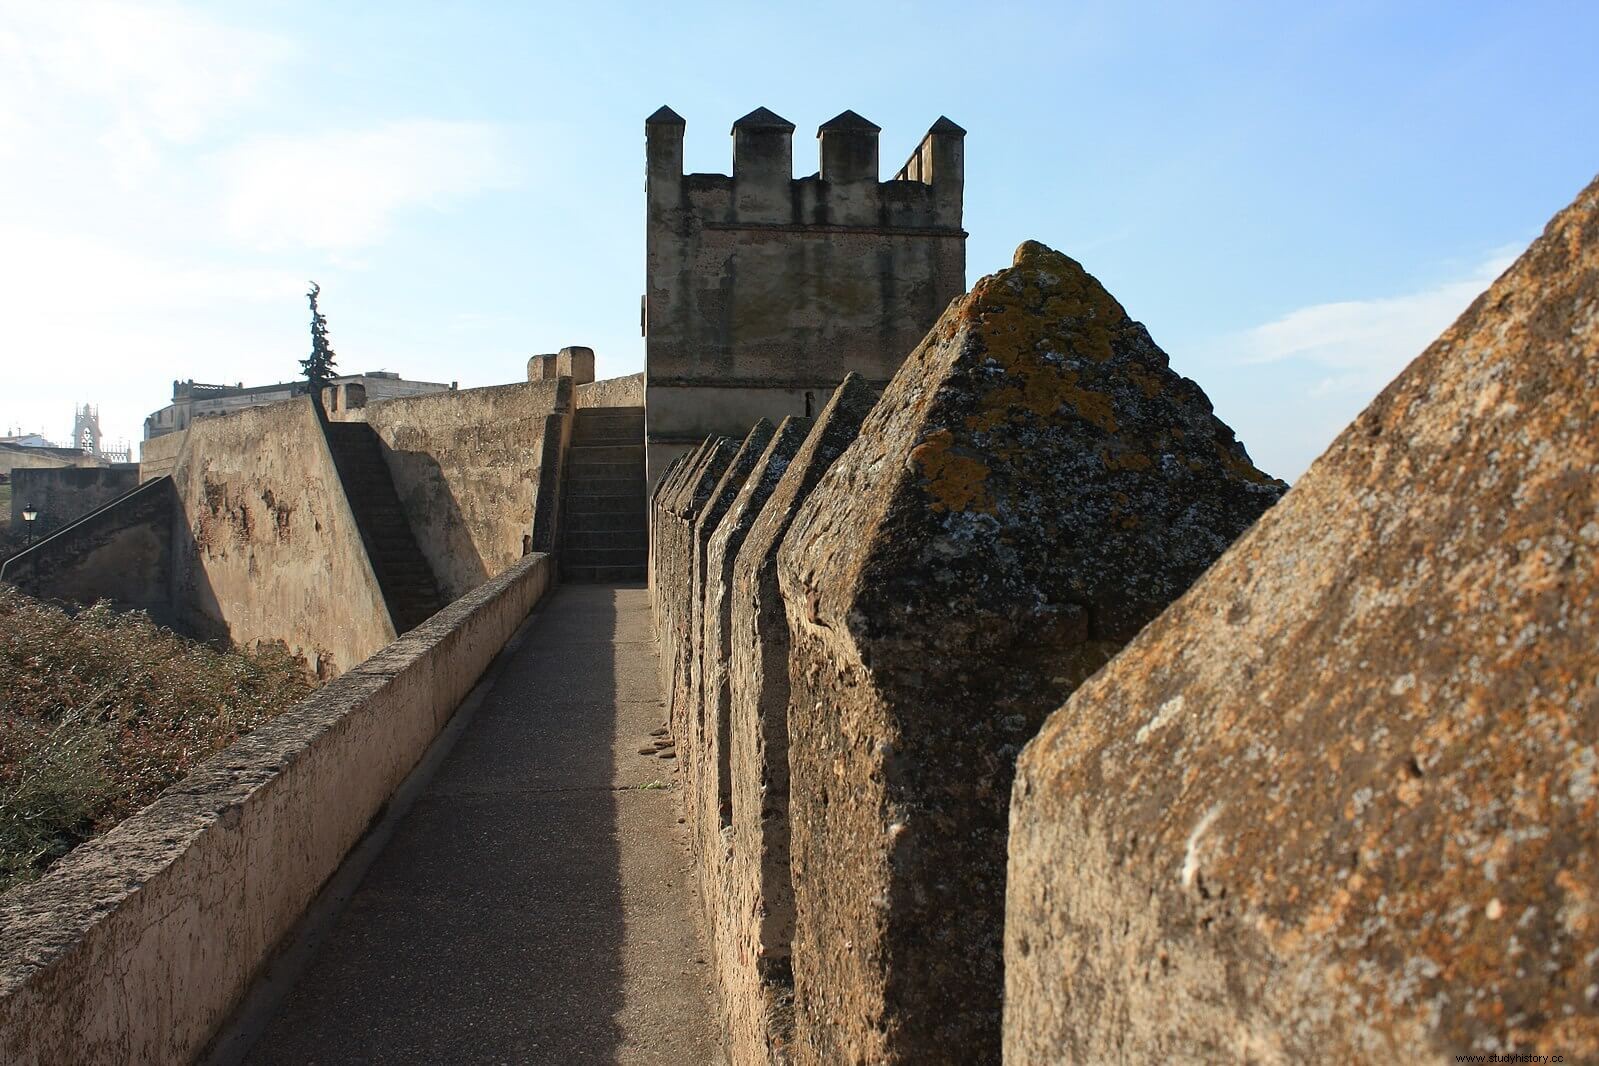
[925,194]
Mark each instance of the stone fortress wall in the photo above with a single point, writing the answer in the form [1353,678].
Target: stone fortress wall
[763,290]
[1009,731]
[63,493]
[246,532]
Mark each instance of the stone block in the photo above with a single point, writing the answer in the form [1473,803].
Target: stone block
[713,800]
[754,968]
[677,574]
[577,363]
[1341,801]
[1035,485]
[689,674]
[542,368]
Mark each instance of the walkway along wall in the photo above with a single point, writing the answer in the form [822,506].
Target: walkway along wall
[1341,802]
[137,946]
[1033,487]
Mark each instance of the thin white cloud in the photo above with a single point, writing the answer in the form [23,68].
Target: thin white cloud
[143,75]
[1362,344]
[342,191]
[1312,370]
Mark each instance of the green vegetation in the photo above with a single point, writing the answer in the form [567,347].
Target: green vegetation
[101,710]
[318,367]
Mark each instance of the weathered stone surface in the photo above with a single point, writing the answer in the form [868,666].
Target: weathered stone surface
[690,502]
[761,289]
[713,800]
[721,551]
[755,971]
[1339,803]
[664,531]
[1035,485]
[690,678]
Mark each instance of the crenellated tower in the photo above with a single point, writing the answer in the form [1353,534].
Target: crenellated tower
[764,290]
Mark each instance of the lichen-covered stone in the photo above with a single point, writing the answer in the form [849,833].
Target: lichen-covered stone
[677,565]
[756,975]
[1341,801]
[712,800]
[693,747]
[664,528]
[1034,486]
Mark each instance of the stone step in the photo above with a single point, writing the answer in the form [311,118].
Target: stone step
[588,486]
[583,574]
[587,469]
[606,453]
[603,556]
[584,539]
[587,504]
[577,521]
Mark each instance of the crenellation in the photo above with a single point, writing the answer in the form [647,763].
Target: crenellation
[762,288]
[763,167]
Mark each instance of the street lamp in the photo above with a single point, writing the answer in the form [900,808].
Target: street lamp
[30,515]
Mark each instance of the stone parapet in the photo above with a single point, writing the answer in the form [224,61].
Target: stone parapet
[138,945]
[1341,801]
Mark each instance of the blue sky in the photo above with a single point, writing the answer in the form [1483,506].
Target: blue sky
[1293,198]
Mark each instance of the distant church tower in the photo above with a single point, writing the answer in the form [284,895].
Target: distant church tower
[86,429]
[763,290]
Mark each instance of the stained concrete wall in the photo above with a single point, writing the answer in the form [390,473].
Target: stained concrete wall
[762,291]
[137,946]
[265,547]
[64,494]
[476,470]
[121,553]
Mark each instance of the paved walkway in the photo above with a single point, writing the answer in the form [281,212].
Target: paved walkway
[536,904]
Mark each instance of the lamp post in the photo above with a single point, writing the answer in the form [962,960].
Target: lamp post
[30,515]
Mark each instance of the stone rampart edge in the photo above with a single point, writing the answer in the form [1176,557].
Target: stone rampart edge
[138,945]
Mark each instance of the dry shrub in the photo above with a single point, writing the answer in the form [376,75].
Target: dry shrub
[102,709]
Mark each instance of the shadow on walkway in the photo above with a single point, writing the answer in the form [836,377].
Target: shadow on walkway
[535,905]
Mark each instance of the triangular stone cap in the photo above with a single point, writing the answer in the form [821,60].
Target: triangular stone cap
[944,125]
[665,116]
[848,121]
[762,119]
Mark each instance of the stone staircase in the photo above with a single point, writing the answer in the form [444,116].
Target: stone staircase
[603,522]
[409,586]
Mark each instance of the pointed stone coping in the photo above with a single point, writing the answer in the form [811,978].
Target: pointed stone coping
[677,572]
[757,923]
[762,119]
[1378,695]
[944,125]
[1035,485]
[690,669]
[665,116]
[722,538]
[848,122]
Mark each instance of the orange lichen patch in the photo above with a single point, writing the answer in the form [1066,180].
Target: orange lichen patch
[1125,460]
[1240,467]
[955,482]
